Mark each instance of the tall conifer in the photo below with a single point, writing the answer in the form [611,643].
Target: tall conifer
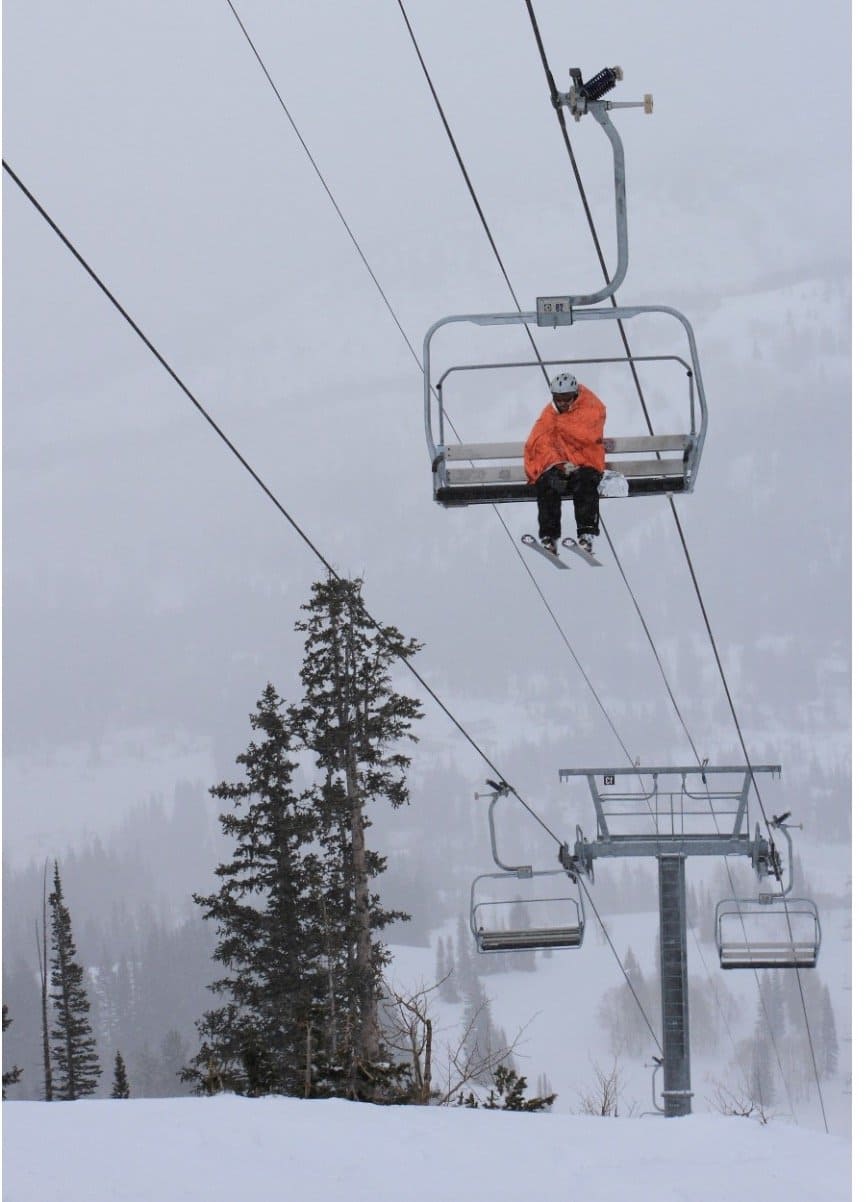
[296,916]
[73,1047]
[356,723]
[265,915]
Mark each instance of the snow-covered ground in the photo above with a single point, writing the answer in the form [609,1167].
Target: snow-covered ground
[228,1148]
[557,1008]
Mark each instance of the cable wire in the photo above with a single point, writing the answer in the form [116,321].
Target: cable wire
[561,120]
[400,327]
[256,477]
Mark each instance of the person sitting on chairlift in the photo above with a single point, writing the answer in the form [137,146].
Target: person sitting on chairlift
[564,456]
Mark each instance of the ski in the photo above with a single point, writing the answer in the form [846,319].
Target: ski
[578,550]
[529,541]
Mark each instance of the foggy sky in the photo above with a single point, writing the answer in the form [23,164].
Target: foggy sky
[150,589]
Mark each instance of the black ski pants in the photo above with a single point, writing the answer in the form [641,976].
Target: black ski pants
[582,486]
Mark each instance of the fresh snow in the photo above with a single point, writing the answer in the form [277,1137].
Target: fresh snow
[227,1148]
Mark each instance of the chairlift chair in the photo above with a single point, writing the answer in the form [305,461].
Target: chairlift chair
[771,931]
[493,472]
[491,937]
[490,934]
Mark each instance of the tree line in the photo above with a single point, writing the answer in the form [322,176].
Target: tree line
[296,918]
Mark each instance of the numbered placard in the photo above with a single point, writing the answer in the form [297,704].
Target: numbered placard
[553,310]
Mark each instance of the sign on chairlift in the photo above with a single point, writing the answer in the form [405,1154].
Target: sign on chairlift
[553,311]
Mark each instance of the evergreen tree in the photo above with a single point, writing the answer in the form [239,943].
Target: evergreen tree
[73,1047]
[448,973]
[296,916]
[519,918]
[762,1084]
[829,1045]
[466,974]
[13,1074]
[355,722]
[120,1084]
[441,970]
[44,982]
[266,916]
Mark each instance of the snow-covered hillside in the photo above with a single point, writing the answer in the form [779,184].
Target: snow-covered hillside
[556,1014]
[227,1148]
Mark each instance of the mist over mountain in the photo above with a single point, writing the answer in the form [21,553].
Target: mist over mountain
[151,589]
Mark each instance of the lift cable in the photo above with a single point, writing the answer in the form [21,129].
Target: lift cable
[258,479]
[554,97]
[652,645]
[809,1038]
[468,181]
[716,823]
[486,225]
[643,404]
[514,297]
[507,531]
[414,355]
[600,920]
[567,140]
[400,327]
[588,213]
[323,182]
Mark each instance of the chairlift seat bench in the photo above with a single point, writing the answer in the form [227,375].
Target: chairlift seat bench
[663,467]
[525,941]
[768,955]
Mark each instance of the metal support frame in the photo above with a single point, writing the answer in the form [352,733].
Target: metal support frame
[676,809]
[677,1092]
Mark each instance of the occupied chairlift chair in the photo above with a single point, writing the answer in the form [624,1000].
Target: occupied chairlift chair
[486,916]
[772,930]
[666,463]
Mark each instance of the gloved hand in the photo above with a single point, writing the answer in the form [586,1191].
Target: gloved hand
[556,479]
[568,468]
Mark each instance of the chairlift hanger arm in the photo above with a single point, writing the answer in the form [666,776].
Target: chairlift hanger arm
[585,97]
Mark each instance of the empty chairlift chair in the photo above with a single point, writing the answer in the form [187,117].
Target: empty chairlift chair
[771,931]
[515,922]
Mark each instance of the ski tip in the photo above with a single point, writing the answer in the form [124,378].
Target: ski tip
[589,558]
[529,540]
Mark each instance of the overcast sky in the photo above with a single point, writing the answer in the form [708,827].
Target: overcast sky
[150,588]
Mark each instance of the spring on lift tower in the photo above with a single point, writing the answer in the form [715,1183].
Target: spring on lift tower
[599,85]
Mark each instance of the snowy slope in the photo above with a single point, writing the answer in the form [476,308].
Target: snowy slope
[226,1148]
[554,1013]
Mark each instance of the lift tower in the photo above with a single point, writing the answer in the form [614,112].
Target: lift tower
[671,813]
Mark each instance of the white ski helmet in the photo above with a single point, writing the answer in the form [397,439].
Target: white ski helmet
[564,383]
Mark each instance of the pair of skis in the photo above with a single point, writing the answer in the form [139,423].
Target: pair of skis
[569,543]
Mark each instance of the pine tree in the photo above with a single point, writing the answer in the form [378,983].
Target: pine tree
[73,1047]
[762,1084]
[13,1074]
[466,974]
[44,982]
[829,1043]
[295,913]
[266,916]
[448,974]
[355,722]
[120,1084]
